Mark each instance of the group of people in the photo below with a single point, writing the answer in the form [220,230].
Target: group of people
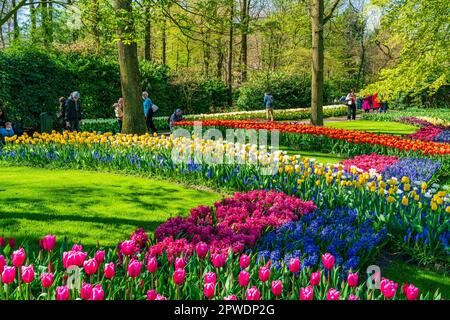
[367,103]
[149,111]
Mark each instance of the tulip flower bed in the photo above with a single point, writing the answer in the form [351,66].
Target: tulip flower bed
[135,274]
[367,162]
[354,239]
[406,209]
[434,116]
[234,223]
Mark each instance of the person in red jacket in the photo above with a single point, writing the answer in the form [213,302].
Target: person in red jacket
[375,103]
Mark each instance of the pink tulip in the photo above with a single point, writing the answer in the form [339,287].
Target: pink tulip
[252,293]
[210,277]
[128,247]
[28,273]
[333,294]
[73,258]
[218,260]
[100,256]
[90,266]
[264,274]
[180,263]
[352,279]
[277,288]
[352,297]
[62,293]
[2,263]
[134,268]
[306,293]
[18,257]
[8,274]
[48,242]
[244,261]
[152,264]
[151,294]
[86,290]
[110,270]
[97,293]
[412,292]
[77,247]
[388,288]
[209,289]
[202,249]
[244,278]
[160,297]
[315,278]
[328,261]
[232,297]
[178,276]
[47,279]
[294,265]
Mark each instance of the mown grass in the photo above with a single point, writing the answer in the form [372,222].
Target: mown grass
[395,128]
[88,206]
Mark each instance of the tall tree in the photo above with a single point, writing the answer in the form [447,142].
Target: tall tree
[245,23]
[32,21]
[230,54]
[148,33]
[133,120]
[318,19]
[16,22]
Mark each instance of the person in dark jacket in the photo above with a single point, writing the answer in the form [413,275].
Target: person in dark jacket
[73,112]
[61,113]
[175,117]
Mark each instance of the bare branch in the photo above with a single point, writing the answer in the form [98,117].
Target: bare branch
[330,14]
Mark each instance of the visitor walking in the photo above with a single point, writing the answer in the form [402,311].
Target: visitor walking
[177,116]
[61,113]
[268,104]
[118,110]
[148,112]
[351,105]
[73,112]
[6,129]
[366,104]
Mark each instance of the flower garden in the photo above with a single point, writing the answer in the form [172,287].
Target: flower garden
[307,231]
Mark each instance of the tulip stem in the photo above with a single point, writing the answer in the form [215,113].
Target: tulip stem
[178,293]
[7,291]
[20,282]
[48,293]
[293,286]
[111,289]
[1,288]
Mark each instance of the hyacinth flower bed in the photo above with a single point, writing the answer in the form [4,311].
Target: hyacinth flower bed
[429,131]
[353,238]
[406,208]
[133,273]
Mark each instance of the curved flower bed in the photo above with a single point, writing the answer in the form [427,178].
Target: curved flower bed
[99,275]
[234,223]
[366,162]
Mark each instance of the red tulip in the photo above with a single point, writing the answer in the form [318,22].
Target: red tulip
[352,297]
[152,264]
[110,270]
[277,288]
[28,273]
[86,290]
[412,292]
[306,293]
[264,274]
[244,261]
[352,279]
[328,261]
[11,242]
[209,289]
[97,293]
[90,266]
[252,293]
[315,278]
[294,265]
[333,294]
[180,263]
[48,242]
[100,256]
[178,276]
[62,293]
[2,242]
[210,277]
[2,263]
[134,268]
[47,279]
[244,278]
[202,249]
[151,294]
[18,257]
[8,274]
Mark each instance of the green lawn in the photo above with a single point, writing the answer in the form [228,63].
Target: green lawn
[425,279]
[319,156]
[86,206]
[374,126]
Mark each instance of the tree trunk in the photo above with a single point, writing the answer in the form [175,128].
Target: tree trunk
[16,23]
[133,120]
[148,35]
[245,19]
[32,22]
[230,58]
[164,42]
[317,63]
[220,56]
